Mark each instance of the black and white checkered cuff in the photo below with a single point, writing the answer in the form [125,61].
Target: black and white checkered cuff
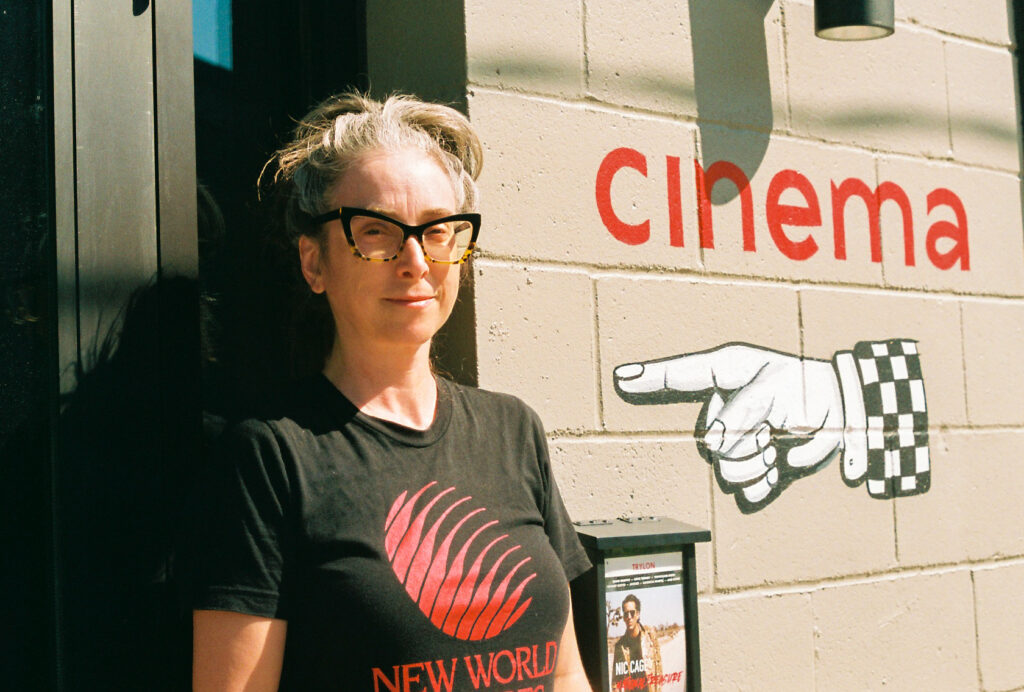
[886,418]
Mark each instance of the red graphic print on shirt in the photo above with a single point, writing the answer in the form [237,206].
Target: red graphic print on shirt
[455,598]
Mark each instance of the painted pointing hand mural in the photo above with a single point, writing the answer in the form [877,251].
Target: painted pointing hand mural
[770,418]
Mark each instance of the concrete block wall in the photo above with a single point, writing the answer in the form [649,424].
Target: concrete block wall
[591,259]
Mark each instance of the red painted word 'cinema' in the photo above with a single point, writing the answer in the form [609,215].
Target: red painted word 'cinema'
[946,242]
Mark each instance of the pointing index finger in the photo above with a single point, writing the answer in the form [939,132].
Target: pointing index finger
[690,376]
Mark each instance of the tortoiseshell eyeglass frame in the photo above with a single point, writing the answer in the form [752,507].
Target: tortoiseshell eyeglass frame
[345,215]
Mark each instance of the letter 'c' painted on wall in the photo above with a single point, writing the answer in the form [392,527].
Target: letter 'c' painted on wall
[623,157]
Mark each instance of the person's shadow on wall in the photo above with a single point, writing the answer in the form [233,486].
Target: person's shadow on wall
[128,449]
[732,85]
[183,359]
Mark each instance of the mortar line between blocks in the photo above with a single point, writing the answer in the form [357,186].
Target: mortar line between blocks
[599,271]
[785,64]
[596,336]
[585,47]
[712,516]
[977,639]
[949,110]
[657,436]
[895,531]
[815,635]
[740,593]
[877,165]
[963,363]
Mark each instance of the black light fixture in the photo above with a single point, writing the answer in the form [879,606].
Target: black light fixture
[853,20]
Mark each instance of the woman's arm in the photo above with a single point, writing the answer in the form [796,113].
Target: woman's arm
[234,652]
[569,673]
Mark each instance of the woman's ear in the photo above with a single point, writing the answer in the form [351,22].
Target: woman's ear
[309,261]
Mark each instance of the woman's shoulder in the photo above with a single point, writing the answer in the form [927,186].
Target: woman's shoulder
[310,404]
[482,401]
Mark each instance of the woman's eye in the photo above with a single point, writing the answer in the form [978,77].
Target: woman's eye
[371,230]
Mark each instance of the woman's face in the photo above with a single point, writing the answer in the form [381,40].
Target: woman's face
[401,302]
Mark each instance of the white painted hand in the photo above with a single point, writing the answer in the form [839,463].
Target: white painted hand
[768,417]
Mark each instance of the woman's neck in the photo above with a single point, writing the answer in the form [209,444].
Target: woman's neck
[394,384]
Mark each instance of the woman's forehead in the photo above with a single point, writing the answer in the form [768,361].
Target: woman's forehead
[393,181]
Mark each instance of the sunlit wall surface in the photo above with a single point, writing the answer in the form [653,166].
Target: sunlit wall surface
[717,252]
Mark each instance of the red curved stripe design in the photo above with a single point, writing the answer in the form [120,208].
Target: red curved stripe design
[401,522]
[407,548]
[449,588]
[480,598]
[481,627]
[394,509]
[505,619]
[420,563]
[436,573]
[447,593]
[464,593]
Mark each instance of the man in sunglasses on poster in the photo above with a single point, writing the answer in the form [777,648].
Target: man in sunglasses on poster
[637,662]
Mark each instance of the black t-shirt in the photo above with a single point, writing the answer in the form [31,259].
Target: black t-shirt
[401,559]
[633,668]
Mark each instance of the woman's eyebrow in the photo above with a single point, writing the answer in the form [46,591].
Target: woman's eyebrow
[428,214]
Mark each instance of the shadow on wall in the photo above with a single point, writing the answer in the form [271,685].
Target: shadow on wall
[129,448]
[731,84]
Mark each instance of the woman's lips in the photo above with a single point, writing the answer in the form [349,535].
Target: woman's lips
[411,301]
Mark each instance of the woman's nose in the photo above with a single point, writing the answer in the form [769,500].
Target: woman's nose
[412,257]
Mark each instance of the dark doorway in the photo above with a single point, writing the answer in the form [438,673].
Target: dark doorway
[100,419]
[284,57]
[28,381]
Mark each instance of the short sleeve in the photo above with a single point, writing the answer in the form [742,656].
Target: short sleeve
[238,528]
[557,524]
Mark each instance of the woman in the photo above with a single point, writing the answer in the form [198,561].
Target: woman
[387,529]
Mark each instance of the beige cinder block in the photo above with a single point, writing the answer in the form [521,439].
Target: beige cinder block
[989,207]
[835,320]
[914,633]
[983,105]
[647,319]
[643,59]
[993,344]
[793,245]
[1000,613]
[984,20]
[973,510]
[888,95]
[602,479]
[757,643]
[817,528]
[529,45]
[721,62]
[539,183]
[535,339]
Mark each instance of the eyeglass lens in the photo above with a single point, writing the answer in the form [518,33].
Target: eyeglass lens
[379,239]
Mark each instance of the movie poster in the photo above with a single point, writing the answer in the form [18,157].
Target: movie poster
[646,632]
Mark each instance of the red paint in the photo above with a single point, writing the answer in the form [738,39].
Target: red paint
[706,183]
[887,191]
[780,215]
[675,202]
[454,603]
[944,229]
[616,160]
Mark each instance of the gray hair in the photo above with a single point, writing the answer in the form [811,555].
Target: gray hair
[346,127]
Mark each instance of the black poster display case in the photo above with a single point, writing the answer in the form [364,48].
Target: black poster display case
[635,612]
